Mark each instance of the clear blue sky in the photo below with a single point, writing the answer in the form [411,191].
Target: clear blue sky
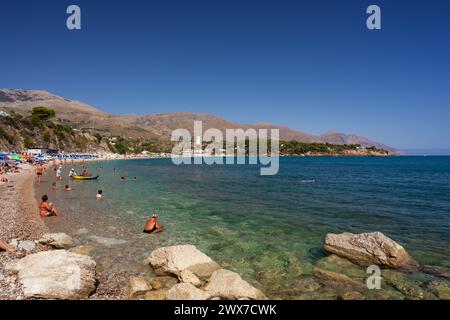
[311,65]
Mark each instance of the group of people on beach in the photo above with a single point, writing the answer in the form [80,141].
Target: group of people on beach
[5,169]
[47,209]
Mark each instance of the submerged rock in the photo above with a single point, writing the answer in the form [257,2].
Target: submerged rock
[174,259]
[186,291]
[342,265]
[137,286]
[352,295]
[82,231]
[408,287]
[55,275]
[438,271]
[441,289]
[335,279]
[57,240]
[83,249]
[298,288]
[229,285]
[370,248]
[107,241]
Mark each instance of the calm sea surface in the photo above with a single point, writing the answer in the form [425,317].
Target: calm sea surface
[270,229]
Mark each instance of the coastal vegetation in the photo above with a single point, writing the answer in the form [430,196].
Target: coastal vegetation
[41,127]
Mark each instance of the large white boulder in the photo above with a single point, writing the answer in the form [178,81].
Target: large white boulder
[55,274]
[370,248]
[229,285]
[174,259]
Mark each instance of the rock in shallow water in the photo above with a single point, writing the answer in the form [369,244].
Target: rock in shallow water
[83,249]
[57,240]
[55,275]
[410,288]
[108,241]
[370,248]
[174,259]
[441,289]
[438,271]
[229,285]
[335,279]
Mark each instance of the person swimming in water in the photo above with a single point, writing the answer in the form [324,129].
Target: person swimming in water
[46,209]
[99,194]
[122,179]
[68,188]
[72,173]
[152,225]
[59,173]
[54,186]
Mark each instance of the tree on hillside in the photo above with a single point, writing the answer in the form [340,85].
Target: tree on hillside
[43,113]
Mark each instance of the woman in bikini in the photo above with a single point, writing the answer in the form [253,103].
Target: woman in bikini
[46,209]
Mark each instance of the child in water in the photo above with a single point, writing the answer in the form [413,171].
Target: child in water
[99,194]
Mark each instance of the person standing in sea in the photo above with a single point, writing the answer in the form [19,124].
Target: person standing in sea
[58,173]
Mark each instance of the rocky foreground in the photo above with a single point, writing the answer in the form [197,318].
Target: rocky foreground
[184,273]
[54,267]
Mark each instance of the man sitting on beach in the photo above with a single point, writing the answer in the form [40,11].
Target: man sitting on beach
[6,247]
[152,225]
[46,208]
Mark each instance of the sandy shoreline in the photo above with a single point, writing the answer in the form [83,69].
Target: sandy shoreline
[19,219]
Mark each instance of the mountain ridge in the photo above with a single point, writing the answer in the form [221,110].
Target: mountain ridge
[153,126]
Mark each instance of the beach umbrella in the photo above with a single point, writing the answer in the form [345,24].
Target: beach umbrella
[3,155]
[15,157]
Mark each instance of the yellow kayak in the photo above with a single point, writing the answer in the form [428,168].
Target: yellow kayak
[85,178]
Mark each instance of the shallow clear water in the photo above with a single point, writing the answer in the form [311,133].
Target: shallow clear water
[270,229]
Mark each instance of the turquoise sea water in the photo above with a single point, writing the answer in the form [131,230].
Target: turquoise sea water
[270,229]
